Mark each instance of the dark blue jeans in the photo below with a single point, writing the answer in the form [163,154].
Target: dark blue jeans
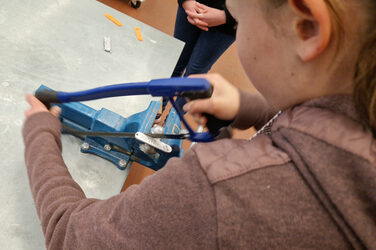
[202,48]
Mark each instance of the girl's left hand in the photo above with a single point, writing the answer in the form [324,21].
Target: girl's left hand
[36,107]
[211,16]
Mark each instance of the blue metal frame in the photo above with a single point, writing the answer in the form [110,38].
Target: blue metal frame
[82,117]
[161,87]
[119,150]
[169,87]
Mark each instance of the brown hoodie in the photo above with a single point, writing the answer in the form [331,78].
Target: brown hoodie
[308,184]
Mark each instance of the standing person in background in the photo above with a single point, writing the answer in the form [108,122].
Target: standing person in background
[208,29]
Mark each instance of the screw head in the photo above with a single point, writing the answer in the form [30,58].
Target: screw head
[85,146]
[184,131]
[122,163]
[107,147]
[156,129]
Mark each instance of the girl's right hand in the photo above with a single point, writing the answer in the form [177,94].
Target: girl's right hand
[224,103]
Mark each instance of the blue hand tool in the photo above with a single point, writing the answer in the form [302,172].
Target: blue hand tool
[114,137]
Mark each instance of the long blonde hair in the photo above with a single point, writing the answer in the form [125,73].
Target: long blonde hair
[365,74]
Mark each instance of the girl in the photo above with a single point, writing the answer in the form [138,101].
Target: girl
[307,180]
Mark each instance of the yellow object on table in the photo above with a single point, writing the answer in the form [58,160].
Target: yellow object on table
[113,20]
[138,34]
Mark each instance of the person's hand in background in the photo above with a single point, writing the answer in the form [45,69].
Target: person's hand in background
[192,6]
[207,15]
[223,104]
[36,107]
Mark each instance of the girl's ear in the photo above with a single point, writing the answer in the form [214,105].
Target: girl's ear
[313,27]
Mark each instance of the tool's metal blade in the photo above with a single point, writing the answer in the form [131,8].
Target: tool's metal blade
[73,131]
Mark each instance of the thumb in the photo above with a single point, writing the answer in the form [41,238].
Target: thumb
[199,106]
[32,100]
[55,110]
[201,6]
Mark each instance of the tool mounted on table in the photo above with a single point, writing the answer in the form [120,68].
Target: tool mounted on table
[120,139]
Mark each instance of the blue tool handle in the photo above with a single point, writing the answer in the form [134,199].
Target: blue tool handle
[161,87]
[191,88]
[47,96]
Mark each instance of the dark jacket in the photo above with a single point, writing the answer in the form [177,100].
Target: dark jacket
[230,26]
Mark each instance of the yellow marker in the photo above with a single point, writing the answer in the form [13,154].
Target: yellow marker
[113,20]
[138,34]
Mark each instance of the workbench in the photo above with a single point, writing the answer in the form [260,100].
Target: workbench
[60,44]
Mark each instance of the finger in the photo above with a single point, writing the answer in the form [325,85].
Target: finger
[197,76]
[55,111]
[200,11]
[190,20]
[193,14]
[193,19]
[205,76]
[200,22]
[210,77]
[27,113]
[202,28]
[30,99]
[201,120]
[199,106]
[33,101]
[201,6]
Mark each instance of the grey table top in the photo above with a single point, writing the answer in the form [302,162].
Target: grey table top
[59,43]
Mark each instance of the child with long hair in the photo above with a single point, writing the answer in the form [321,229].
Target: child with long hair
[306,180]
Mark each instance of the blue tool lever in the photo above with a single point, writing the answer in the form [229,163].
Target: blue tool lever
[192,88]
[187,87]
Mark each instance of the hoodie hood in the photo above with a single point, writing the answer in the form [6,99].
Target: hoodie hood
[335,155]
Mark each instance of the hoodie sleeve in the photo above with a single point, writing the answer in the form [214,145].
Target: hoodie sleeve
[254,111]
[155,214]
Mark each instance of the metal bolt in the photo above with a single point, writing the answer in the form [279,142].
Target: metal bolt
[156,129]
[122,163]
[85,146]
[107,147]
[147,149]
[184,131]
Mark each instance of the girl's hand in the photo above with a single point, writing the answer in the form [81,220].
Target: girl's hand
[211,16]
[36,107]
[223,104]
[192,7]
